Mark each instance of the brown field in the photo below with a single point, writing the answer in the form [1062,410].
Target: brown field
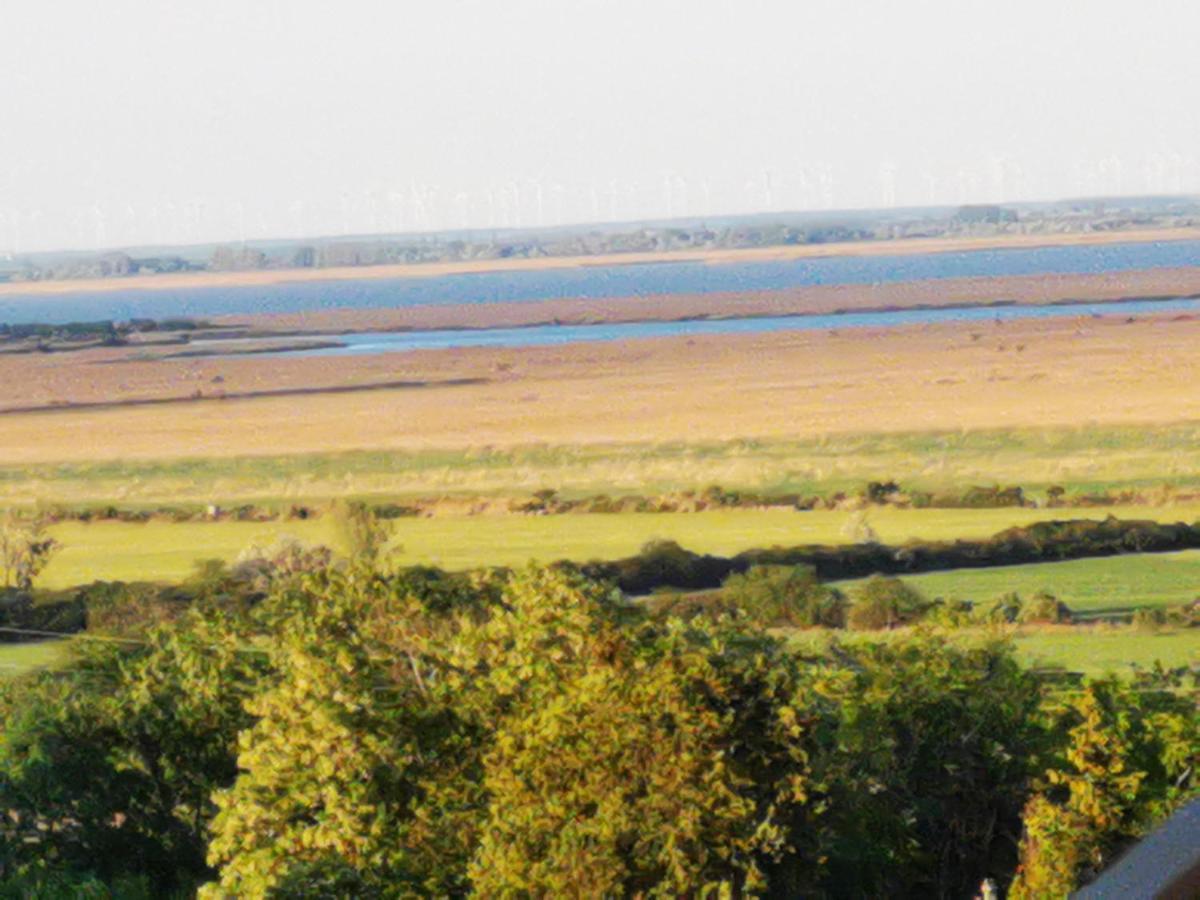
[1062,372]
[854,248]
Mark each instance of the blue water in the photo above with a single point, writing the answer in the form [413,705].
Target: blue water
[593,282]
[543,335]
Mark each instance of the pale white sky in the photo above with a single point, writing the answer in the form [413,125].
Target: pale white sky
[135,121]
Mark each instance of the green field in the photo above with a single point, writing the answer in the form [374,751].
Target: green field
[1091,650]
[17,659]
[1080,459]
[1095,651]
[166,551]
[1103,585]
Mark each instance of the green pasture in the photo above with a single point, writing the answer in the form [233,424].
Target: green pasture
[17,659]
[1092,650]
[1104,585]
[167,551]
[1097,650]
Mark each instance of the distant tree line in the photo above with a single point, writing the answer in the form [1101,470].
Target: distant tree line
[666,564]
[788,230]
[107,265]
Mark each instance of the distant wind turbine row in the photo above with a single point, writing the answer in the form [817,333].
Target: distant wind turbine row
[414,205]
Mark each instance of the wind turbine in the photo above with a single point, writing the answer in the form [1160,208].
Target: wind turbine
[685,201]
[540,200]
[612,199]
[825,180]
[396,202]
[931,188]
[515,189]
[887,183]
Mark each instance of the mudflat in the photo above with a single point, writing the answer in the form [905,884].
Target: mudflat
[815,300]
[1071,371]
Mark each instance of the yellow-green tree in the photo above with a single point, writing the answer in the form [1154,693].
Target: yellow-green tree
[1131,755]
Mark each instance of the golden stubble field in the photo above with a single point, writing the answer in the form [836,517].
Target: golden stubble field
[1064,372]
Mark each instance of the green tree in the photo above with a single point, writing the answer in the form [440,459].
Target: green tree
[25,549]
[883,601]
[628,758]
[353,767]
[786,595]
[926,755]
[108,767]
[364,536]
[1131,756]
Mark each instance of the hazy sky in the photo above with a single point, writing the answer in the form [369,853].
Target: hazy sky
[135,121]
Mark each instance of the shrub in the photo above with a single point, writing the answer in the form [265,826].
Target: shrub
[112,607]
[884,601]
[662,563]
[880,492]
[992,497]
[1186,616]
[364,536]
[1044,608]
[952,613]
[259,567]
[1004,610]
[786,595]
[858,529]
[25,548]
[1149,619]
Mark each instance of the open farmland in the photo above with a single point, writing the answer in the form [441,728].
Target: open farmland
[19,659]
[1100,586]
[1094,650]
[1099,650]
[163,551]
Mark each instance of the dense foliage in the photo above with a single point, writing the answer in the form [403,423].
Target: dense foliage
[786,595]
[663,563]
[313,728]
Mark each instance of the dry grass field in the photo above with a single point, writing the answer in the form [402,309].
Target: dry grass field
[1060,373]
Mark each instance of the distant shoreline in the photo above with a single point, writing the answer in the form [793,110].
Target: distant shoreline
[898,247]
